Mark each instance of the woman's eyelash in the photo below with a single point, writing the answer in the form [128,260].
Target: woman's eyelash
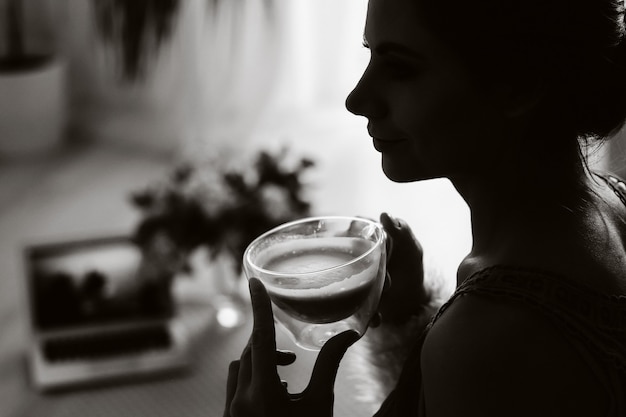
[365,45]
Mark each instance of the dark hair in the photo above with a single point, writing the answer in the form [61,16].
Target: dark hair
[574,52]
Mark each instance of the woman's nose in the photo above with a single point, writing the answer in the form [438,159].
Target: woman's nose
[364,99]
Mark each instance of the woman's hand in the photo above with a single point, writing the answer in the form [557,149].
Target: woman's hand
[254,388]
[404,293]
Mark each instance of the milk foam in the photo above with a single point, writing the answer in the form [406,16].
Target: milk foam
[313,263]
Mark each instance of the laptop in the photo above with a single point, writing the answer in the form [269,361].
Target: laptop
[96,316]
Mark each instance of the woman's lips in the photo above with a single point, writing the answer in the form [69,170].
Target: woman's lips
[382,145]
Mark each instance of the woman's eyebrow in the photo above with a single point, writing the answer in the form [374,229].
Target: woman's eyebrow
[384,48]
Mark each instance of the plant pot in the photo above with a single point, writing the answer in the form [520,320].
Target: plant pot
[32,109]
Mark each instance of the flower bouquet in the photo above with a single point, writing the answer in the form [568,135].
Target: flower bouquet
[216,206]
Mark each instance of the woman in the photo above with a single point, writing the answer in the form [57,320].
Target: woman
[501,97]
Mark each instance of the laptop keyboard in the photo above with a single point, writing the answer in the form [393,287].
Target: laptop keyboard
[108,344]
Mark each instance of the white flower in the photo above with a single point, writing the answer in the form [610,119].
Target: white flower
[276,202]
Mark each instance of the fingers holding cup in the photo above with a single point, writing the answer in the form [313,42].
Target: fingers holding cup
[405,293]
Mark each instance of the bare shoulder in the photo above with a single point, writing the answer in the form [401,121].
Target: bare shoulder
[489,357]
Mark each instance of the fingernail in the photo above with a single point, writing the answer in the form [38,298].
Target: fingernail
[286,354]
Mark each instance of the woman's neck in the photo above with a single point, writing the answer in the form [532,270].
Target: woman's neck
[514,207]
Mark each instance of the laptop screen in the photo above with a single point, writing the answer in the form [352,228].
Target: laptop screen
[93,282]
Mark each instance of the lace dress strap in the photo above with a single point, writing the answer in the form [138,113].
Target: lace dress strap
[597,320]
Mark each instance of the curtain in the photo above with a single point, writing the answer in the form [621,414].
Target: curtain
[257,64]
[227,66]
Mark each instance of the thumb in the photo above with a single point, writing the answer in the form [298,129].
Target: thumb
[399,230]
[327,363]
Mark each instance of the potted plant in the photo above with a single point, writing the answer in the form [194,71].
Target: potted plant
[32,80]
[134,31]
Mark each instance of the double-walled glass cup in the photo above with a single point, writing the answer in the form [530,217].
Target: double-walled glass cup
[324,275]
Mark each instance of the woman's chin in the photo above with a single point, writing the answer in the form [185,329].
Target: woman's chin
[396,174]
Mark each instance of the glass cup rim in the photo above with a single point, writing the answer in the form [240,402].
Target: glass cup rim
[379,241]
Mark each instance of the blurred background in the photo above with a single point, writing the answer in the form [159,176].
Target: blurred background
[100,99]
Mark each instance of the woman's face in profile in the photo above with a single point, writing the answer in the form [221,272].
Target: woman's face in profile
[426,115]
